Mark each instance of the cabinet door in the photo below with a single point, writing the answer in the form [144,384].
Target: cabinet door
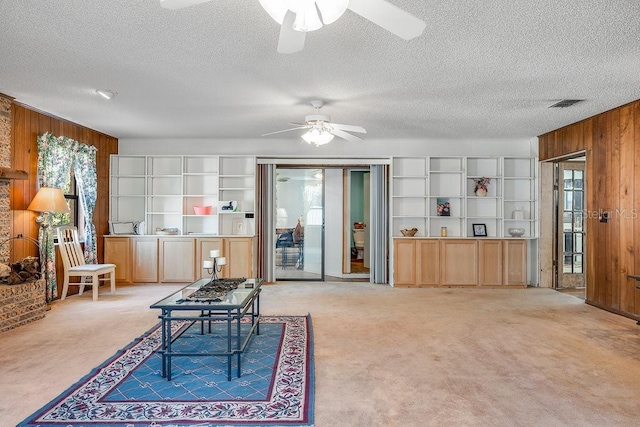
[404,261]
[458,262]
[177,260]
[145,260]
[515,262]
[239,253]
[428,262]
[203,246]
[490,262]
[117,250]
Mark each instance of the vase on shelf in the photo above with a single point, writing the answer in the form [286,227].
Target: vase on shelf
[481,192]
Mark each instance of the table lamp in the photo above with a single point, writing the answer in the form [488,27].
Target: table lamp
[48,200]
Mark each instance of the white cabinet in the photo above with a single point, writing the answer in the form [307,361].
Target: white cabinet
[520,195]
[200,189]
[410,197]
[237,184]
[432,193]
[447,195]
[164,190]
[164,193]
[128,188]
[484,209]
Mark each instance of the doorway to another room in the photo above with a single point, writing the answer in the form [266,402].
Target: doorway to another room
[306,230]
[569,236]
[300,224]
[357,217]
[318,208]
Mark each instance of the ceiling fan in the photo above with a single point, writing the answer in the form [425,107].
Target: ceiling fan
[297,17]
[320,129]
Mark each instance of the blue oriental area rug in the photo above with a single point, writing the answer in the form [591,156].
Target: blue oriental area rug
[276,387]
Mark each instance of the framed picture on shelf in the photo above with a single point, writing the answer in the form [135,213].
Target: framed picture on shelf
[480,230]
[443,206]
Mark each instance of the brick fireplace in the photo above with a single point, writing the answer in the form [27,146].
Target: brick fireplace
[21,304]
[5,161]
[25,302]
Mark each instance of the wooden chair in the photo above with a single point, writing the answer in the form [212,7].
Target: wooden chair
[74,265]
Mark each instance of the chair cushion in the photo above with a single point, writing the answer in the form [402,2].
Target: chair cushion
[92,268]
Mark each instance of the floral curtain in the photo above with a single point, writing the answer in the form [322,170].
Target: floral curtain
[56,156]
[84,167]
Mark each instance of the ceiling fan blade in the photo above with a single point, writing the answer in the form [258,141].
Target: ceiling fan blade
[286,130]
[390,17]
[290,41]
[349,128]
[180,4]
[345,135]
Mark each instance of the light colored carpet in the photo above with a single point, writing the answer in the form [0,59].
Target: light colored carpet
[384,356]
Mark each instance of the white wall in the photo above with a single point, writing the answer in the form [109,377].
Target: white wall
[337,148]
[370,148]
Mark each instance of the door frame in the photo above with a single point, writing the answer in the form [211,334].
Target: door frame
[347,226]
[548,224]
[266,263]
[558,261]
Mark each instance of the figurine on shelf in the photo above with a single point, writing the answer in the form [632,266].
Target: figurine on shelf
[482,186]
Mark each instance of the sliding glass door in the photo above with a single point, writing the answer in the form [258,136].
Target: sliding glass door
[299,245]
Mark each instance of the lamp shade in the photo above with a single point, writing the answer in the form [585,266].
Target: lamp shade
[49,200]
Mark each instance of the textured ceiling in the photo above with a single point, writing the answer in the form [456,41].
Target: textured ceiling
[481,68]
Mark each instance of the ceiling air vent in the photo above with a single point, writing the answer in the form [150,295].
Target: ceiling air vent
[565,103]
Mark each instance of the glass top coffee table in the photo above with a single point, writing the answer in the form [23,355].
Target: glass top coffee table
[206,301]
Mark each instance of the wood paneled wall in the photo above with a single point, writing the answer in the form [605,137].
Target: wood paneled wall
[612,144]
[26,125]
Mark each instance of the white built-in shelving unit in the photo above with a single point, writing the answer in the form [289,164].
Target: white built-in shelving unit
[419,183]
[163,191]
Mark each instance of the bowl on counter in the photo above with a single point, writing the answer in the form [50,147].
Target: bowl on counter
[516,232]
[409,232]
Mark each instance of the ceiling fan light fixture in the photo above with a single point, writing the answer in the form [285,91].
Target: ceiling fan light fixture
[331,10]
[317,137]
[307,16]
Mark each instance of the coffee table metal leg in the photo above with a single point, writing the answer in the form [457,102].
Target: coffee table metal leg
[229,354]
[238,336]
[167,353]
[258,312]
[163,341]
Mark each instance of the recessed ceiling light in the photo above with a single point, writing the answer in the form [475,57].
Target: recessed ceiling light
[108,94]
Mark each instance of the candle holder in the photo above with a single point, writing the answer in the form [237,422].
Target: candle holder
[214,264]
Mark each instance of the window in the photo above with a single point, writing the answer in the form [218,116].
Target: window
[75,216]
[572,221]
